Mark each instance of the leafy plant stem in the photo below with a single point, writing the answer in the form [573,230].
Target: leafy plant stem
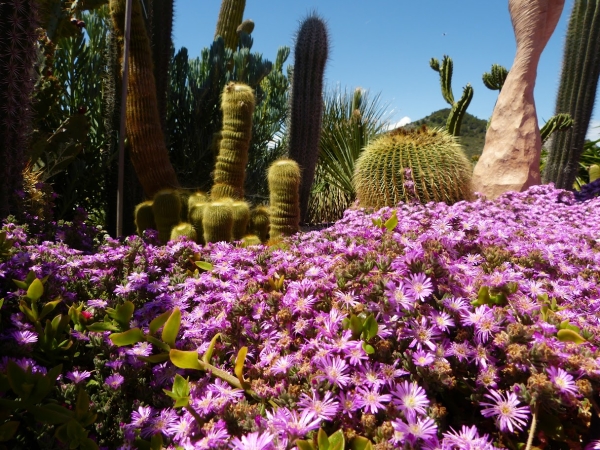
[533,427]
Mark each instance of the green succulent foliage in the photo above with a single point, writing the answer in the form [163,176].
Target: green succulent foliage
[413,165]
[194,116]
[459,108]
[559,122]
[350,121]
[495,78]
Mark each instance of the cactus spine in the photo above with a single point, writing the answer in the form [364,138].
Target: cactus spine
[230,18]
[144,217]
[417,165]
[259,223]
[18,40]
[217,221]
[167,212]
[241,218]
[284,183]
[183,229]
[148,149]
[306,102]
[238,106]
[459,108]
[576,93]
[195,217]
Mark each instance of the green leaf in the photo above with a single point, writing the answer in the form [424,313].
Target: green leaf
[322,440]
[377,222]
[21,284]
[35,290]
[181,386]
[567,335]
[368,348]
[239,364]
[49,307]
[370,327]
[392,222]
[101,326]
[304,445]
[483,297]
[159,322]
[356,326]
[171,328]
[51,413]
[156,442]
[123,313]
[88,444]
[158,343]
[337,441]
[361,443]
[155,359]
[185,359]
[128,337]
[82,405]
[8,430]
[204,265]
[209,351]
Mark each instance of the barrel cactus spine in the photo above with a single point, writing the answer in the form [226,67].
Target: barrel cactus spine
[183,229]
[259,222]
[421,165]
[241,218]
[195,217]
[230,18]
[144,217]
[284,185]
[167,213]
[459,108]
[306,102]
[217,221]
[237,103]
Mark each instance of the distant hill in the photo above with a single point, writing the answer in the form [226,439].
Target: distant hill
[472,129]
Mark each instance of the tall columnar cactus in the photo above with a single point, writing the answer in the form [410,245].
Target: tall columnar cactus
[217,221]
[284,183]
[306,102]
[167,213]
[148,149]
[459,108]
[230,18]
[417,165]
[18,39]
[576,92]
[259,222]
[238,106]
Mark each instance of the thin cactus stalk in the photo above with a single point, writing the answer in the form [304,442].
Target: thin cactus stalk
[306,102]
[459,108]
[230,18]
[18,39]
[576,93]
[148,149]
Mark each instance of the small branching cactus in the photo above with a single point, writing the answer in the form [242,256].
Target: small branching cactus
[284,183]
[217,221]
[144,217]
[495,78]
[559,122]
[167,212]
[459,108]
[230,171]
[421,165]
[259,222]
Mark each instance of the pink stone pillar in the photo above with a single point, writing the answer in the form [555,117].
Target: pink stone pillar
[511,156]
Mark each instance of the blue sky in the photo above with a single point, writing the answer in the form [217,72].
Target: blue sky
[385,46]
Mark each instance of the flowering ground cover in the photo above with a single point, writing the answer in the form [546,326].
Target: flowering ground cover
[472,326]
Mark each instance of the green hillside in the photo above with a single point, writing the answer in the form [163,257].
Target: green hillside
[472,129]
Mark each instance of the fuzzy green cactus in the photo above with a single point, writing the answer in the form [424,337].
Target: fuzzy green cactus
[250,240]
[241,218]
[167,212]
[195,217]
[259,222]
[284,185]
[459,108]
[230,171]
[144,217]
[421,165]
[148,149]
[576,93]
[217,221]
[183,229]
[306,102]
[197,197]
[18,39]
[230,18]
[495,78]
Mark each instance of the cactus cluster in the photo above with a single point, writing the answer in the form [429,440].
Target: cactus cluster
[421,165]
[459,108]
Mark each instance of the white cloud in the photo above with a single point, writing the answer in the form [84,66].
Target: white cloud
[593,133]
[404,121]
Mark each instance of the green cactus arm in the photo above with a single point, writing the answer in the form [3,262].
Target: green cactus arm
[230,18]
[445,71]
[559,122]
[458,111]
[495,78]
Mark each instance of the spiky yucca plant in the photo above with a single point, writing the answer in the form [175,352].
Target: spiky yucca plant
[421,165]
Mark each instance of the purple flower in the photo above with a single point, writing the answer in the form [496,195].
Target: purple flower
[506,411]
[371,400]
[290,423]
[325,409]
[348,403]
[141,416]
[114,381]
[421,428]
[253,441]
[467,438]
[419,286]
[334,369]
[562,380]
[411,398]
[77,377]
[422,358]
[24,337]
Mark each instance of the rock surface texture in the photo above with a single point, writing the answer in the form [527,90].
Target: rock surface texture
[511,156]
